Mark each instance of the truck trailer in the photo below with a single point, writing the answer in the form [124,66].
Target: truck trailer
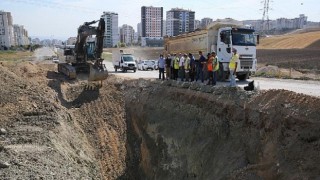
[220,36]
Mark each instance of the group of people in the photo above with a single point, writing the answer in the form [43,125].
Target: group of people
[186,68]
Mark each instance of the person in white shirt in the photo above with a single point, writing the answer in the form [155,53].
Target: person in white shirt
[181,67]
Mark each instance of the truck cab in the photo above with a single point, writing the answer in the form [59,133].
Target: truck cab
[242,39]
[123,61]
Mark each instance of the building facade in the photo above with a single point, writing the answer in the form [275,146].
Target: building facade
[179,21]
[126,34]
[151,26]
[111,34]
[279,24]
[20,35]
[197,24]
[205,22]
[6,30]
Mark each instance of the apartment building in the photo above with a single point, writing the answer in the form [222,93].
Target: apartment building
[205,22]
[197,24]
[126,34]
[179,21]
[112,31]
[6,30]
[152,26]
[20,35]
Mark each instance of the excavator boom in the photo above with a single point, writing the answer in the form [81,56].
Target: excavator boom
[86,55]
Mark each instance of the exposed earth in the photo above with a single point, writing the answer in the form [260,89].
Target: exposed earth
[55,128]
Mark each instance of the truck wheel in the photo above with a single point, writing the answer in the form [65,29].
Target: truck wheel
[243,77]
[134,70]
[115,69]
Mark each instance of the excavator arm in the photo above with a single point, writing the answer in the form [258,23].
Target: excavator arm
[87,52]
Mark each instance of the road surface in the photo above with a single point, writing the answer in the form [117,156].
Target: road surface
[300,86]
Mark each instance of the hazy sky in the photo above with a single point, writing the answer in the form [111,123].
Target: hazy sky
[60,18]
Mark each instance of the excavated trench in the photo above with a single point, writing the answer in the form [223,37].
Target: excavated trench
[148,129]
[186,131]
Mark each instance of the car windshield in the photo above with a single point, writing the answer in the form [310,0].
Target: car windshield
[243,37]
[128,59]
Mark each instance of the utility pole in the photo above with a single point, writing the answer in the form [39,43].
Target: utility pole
[265,16]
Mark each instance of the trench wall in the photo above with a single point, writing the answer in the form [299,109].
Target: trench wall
[186,131]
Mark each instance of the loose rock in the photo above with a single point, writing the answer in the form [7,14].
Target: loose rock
[4,165]
[3,131]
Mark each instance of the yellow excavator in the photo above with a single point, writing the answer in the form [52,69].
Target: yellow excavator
[85,55]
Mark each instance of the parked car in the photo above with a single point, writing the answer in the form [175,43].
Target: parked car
[155,64]
[146,65]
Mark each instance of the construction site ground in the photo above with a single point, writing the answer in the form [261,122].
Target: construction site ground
[138,127]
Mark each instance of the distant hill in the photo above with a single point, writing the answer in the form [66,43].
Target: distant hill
[310,40]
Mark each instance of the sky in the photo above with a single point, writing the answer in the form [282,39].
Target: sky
[59,19]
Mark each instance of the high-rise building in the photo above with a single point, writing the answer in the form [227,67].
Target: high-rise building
[197,24]
[179,21]
[126,34]
[152,26]
[205,22]
[151,21]
[164,27]
[20,35]
[139,29]
[111,34]
[6,30]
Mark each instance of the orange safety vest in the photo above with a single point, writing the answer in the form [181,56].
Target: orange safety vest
[209,64]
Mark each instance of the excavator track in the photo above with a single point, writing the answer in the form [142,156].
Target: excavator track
[67,70]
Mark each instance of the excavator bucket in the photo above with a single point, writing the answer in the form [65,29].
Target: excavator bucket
[98,73]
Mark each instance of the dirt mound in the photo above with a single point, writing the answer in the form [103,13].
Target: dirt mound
[179,131]
[49,131]
[294,41]
[314,45]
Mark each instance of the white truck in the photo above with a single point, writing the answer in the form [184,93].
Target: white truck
[220,36]
[123,61]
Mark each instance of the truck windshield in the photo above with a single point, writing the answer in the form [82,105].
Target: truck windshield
[128,59]
[243,37]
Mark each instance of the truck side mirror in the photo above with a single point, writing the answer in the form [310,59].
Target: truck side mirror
[121,61]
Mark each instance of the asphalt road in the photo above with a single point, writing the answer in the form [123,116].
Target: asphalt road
[300,86]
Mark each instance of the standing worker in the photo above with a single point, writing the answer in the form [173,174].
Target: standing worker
[175,67]
[187,67]
[181,67]
[215,67]
[209,69]
[202,60]
[161,65]
[168,66]
[192,67]
[233,67]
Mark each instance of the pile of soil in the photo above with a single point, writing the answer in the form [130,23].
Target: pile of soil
[54,128]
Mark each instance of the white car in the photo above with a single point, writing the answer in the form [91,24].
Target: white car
[55,60]
[155,64]
[145,65]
